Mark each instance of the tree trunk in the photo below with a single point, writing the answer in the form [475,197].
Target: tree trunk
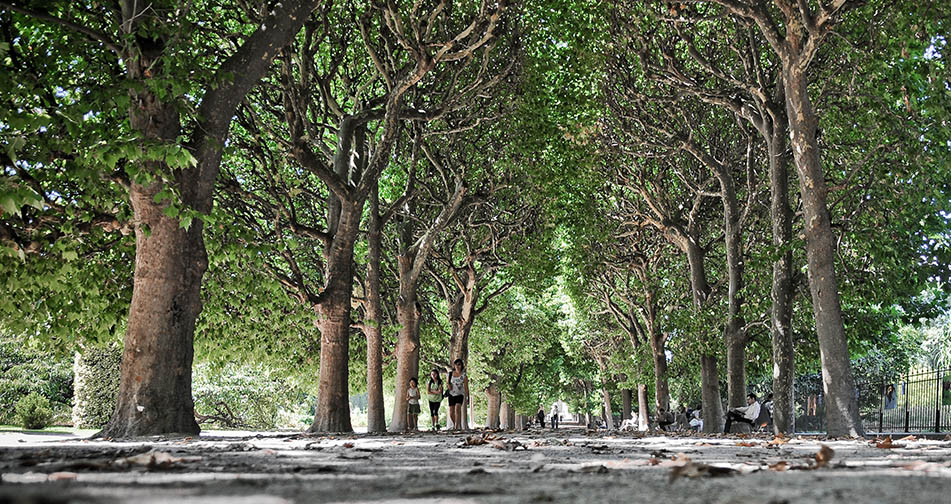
[333,321]
[782,292]
[606,399]
[842,414]
[642,423]
[504,416]
[462,315]
[155,395]
[155,391]
[626,403]
[710,392]
[734,333]
[407,356]
[661,387]
[494,399]
[373,325]
[155,384]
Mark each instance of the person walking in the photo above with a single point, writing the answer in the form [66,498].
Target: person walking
[541,417]
[458,392]
[434,391]
[555,415]
[412,399]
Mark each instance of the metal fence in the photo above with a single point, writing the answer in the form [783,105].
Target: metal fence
[916,401]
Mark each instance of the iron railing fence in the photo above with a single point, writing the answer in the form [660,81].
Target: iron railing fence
[915,401]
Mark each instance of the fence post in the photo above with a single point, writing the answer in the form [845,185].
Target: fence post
[907,389]
[937,404]
[881,407]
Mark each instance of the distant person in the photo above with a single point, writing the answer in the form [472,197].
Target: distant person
[891,397]
[746,414]
[664,419]
[434,392]
[458,391]
[696,420]
[555,415]
[540,416]
[412,397]
[681,418]
[768,404]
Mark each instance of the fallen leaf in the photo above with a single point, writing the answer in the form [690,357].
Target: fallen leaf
[909,438]
[703,444]
[62,476]
[887,444]
[348,445]
[693,470]
[778,440]
[780,466]
[746,444]
[154,460]
[823,456]
[947,437]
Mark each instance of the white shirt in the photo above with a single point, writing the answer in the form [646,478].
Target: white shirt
[750,412]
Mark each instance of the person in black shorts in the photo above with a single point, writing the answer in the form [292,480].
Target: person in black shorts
[434,392]
[458,391]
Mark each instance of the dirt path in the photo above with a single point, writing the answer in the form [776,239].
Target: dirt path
[534,466]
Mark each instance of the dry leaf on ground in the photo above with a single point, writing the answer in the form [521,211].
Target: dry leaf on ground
[887,444]
[778,440]
[780,466]
[823,456]
[154,459]
[348,445]
[694,470]
[746,444]
[909,438]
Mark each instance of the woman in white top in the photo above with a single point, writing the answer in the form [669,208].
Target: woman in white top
[412,397]
[458,391]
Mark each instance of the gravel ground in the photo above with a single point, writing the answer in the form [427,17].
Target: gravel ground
[531,466]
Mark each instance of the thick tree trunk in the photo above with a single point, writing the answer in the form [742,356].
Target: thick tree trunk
[494,400]
[504,411]
[461,316]
[710,393]
[373,325]
[661,388]
[155,394]
[782,292]
[626,403]
[407,356]
[642,423]
[842,414]
[606,400]
[734,333]
[333,322]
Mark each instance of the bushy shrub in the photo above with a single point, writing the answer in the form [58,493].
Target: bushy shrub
[24,371]
[33,411]
[96,385]
[246,397]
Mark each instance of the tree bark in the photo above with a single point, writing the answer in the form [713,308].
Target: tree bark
[626,403]
[155,395]
[734,333]
[494,399]
[373,325]
[504,412]
[842,413]
[333,322]
[661,388]
[642,423]
[407,355]
[710,393]
[782,292]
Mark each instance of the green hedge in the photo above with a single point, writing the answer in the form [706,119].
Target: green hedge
[24,371]
[96,385]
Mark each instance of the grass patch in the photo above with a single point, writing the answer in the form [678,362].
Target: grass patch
[54,429]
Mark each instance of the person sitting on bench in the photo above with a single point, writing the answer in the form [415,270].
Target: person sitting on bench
[664,419]
[746,414]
